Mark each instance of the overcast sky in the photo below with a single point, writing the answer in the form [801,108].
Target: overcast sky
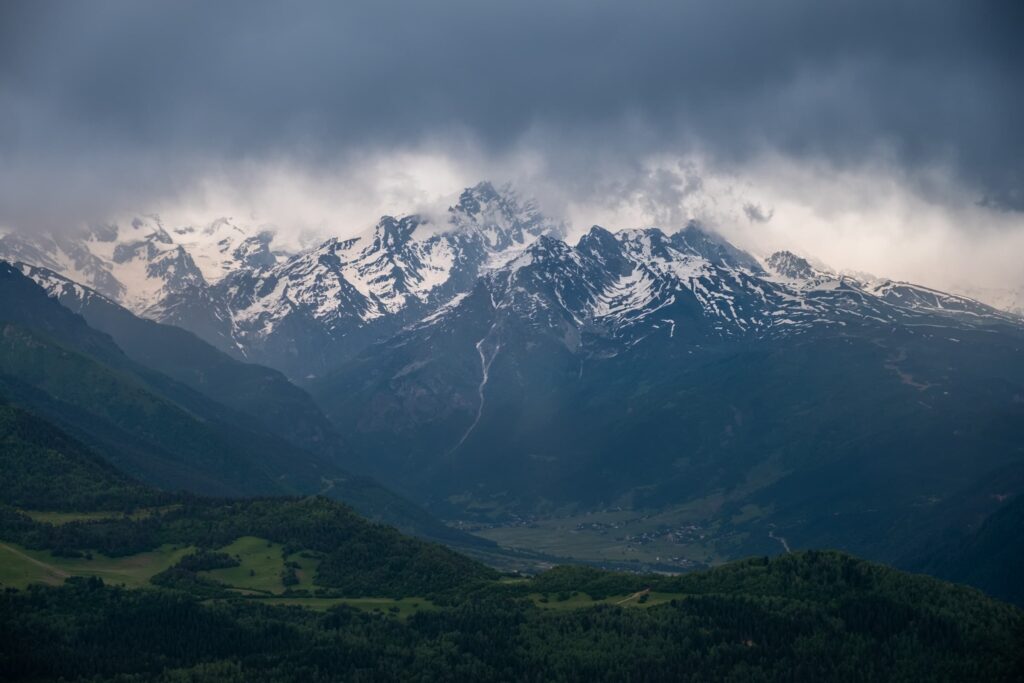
[882,136]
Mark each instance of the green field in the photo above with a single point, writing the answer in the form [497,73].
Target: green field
[20,567]
[262,564]
[258,577]
[260,571]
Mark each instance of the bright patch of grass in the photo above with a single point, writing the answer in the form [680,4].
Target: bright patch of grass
[20,567]
[262,567]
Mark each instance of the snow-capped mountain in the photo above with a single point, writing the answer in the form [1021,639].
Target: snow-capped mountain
[301,312]
[642,369]
[631,294]
[1004,298]
[615,289]
[141,264]
[319,306]
[305,313]
[796,270]
[480,361]
[71,294]
[223,246]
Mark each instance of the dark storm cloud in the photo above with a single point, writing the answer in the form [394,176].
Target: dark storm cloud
[756,214]
[104,99]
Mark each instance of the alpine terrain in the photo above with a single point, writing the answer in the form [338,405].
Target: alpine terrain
[641,394]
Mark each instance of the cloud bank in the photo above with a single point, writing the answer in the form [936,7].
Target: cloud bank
[313,112]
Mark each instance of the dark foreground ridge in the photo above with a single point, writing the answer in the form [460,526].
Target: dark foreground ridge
[172,587]
[811,616]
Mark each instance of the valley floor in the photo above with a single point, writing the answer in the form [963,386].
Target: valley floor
[678,538]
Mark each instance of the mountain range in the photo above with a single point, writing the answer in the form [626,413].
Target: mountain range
[664,395]
[303,312]
[298,312]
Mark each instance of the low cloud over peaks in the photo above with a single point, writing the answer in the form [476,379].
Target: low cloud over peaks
[116,105]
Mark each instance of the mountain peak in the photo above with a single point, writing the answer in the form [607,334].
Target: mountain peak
[598,239]
[698,240]
[501,215]
[645,243]
[391,233]
[548,244]
[472,197]
[789,265]
[484,198]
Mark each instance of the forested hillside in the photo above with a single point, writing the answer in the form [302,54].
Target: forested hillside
[839,619]
[173,433]
[304,589]
[43,468]
[58,497]
[990,557]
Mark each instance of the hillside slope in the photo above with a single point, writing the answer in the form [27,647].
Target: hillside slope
[159,430]
[988,557]
[274,403]
[45,469]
